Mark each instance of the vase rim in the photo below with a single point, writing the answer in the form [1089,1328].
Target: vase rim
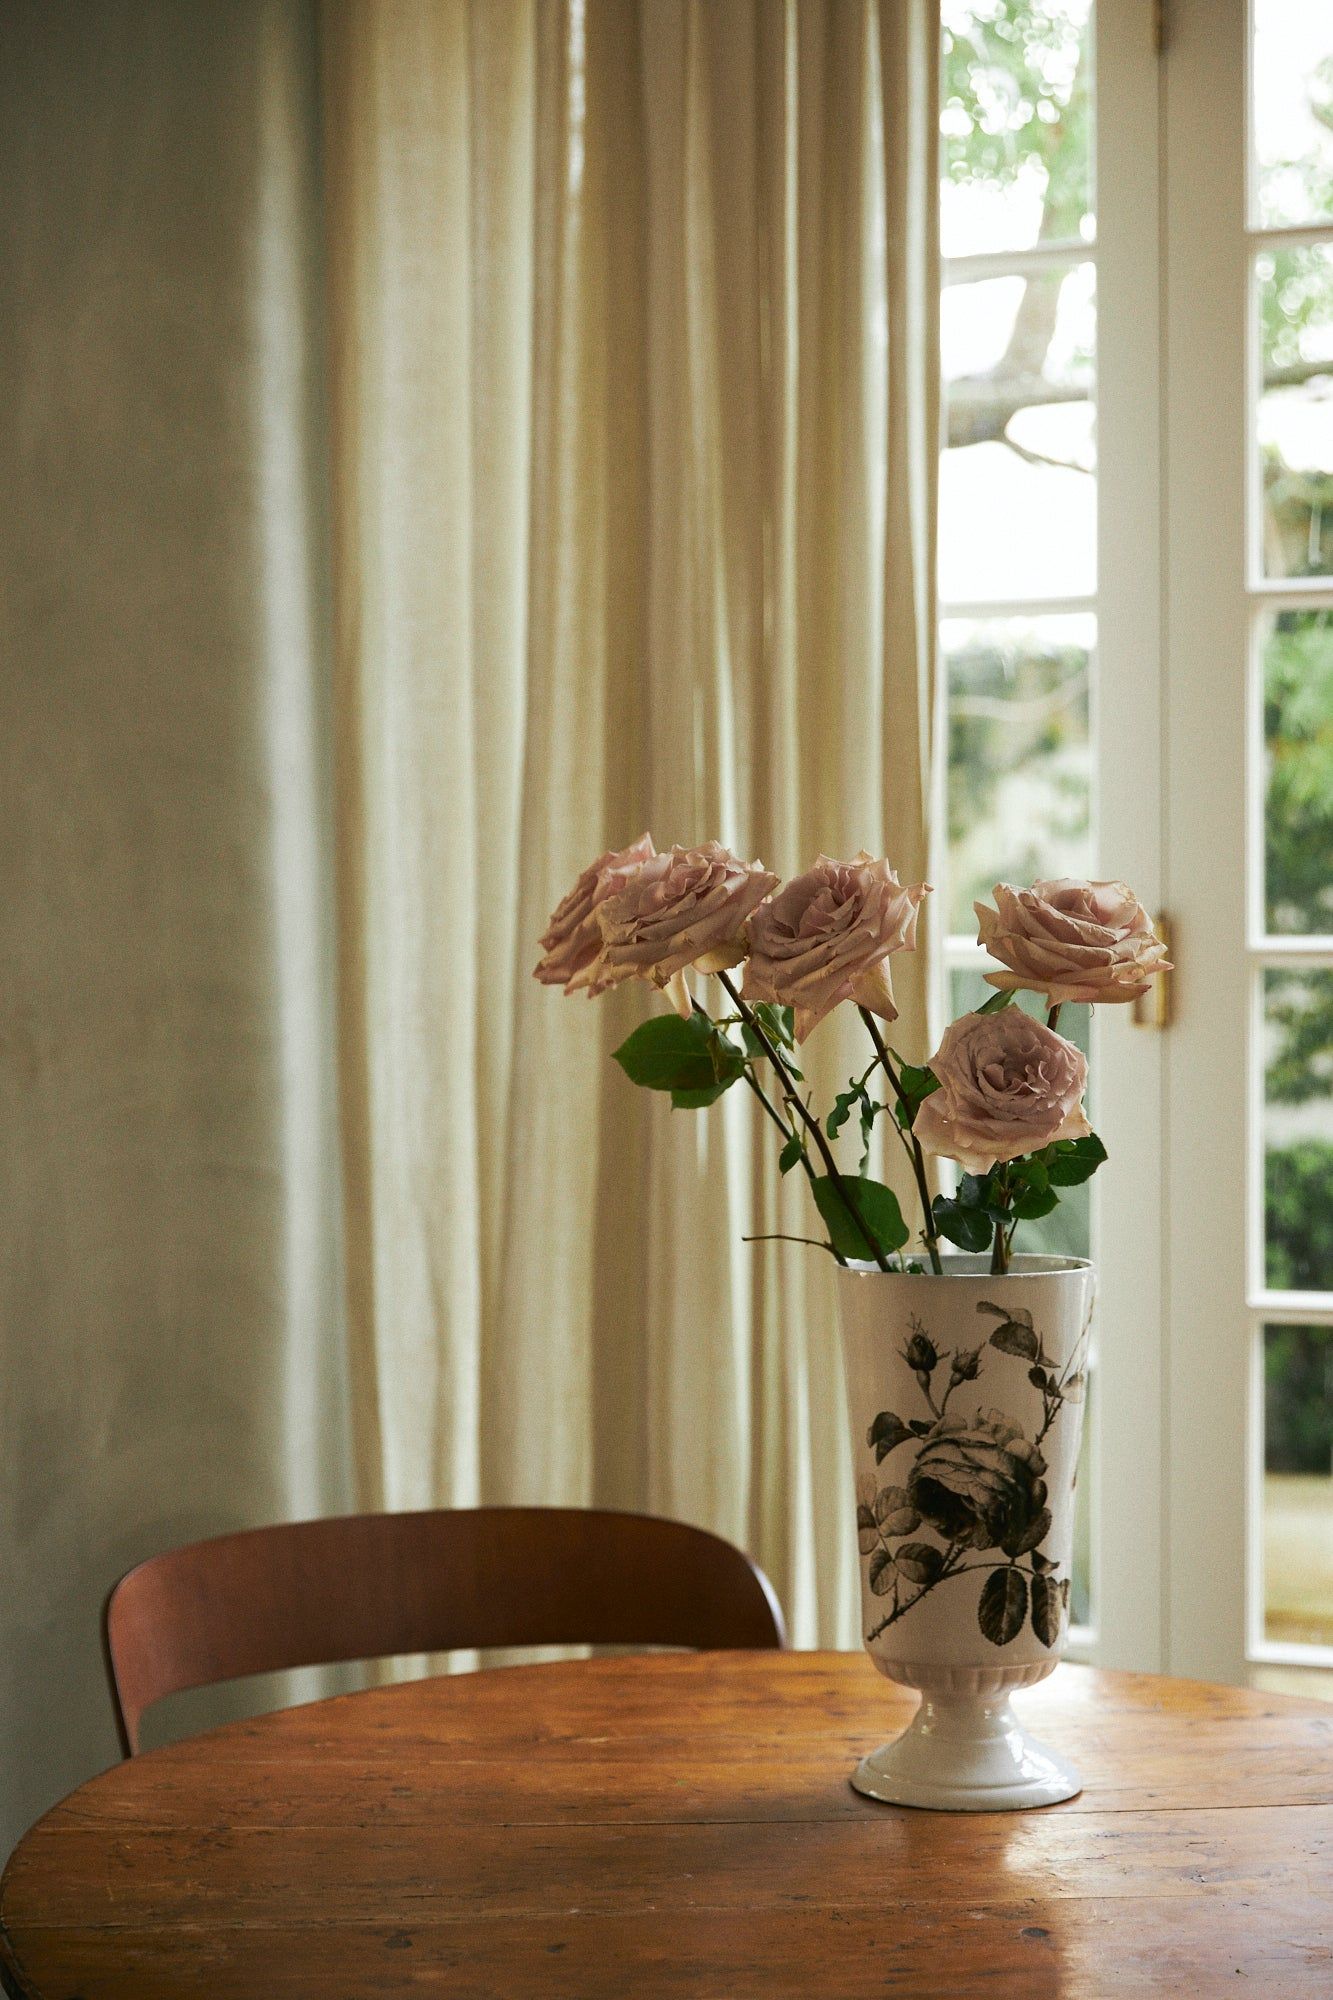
[976,1264]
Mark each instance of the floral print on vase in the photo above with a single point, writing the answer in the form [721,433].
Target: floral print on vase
[973,1480]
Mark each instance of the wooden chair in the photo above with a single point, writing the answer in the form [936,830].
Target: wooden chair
[370,1586]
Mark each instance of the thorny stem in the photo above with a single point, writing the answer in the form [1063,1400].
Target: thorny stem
[911,1143]
[1055,1402]
[899,1610]
[951,1568]
[811,1123]
[1003,1243]
[1053,1017]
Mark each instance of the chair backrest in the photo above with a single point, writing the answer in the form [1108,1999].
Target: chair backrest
[369,1586]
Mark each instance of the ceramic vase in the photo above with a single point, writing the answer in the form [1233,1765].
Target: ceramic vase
[965,1394]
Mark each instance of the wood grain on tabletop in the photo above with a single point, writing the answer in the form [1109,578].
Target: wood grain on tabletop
[675,1824]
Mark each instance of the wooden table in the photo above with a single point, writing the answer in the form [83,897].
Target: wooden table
[683,1825]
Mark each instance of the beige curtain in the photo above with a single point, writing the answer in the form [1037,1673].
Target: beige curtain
[632,348]
[171,1351]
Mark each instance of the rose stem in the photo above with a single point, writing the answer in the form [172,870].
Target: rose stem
[770,1108]
[999,1256]
[812,1124]
[780,1236]
[1053,1017]
[912,1143]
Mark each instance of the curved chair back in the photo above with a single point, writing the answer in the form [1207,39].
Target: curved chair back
[369,1586]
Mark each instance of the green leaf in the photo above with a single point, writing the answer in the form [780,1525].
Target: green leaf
[779,1023]
[841,1112]
[1038,1202]
[1075,1161]
[969,1228]
[878,1209]
[1003,1606]
[917,1083]
[1004,998]
[790,1154]
[667,1053]
[1047,1609]
[699,1100]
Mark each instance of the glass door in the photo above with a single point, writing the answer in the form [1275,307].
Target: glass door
[1249,398]
[1290,1194]
[1048,643]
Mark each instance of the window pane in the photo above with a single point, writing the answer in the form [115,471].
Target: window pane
[1067,1230]
[1298,742]
[1015,124]
[1293,110]
[1298,1484]
[1296,410]
[1020,757]
[1298,1130]
[1018,506]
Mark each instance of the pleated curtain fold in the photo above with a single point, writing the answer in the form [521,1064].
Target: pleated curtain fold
[632,362]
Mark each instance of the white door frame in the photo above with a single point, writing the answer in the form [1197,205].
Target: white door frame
[1131,1497]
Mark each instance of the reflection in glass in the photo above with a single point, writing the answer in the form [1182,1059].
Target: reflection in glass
[1297,654]
[1018,505]
[1296,409]
[1298,1484]
[1020,754]
[1298,1130]
[1015,124]
[1067,1230]
[1293,110]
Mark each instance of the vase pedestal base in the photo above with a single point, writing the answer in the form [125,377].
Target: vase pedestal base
[966,1754]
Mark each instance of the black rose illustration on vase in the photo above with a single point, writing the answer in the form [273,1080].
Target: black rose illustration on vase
[976,1482]
[981,1484]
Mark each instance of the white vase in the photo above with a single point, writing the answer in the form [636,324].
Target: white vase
[965,1394]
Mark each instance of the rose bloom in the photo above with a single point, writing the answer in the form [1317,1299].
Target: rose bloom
[980,1483]
[1072,940]
[1008,1085]
[685,908]
[572,942]
[828,937]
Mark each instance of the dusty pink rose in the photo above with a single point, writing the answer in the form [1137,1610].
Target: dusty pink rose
[828,937]
[573,939]
[1008,1085]
[1072,940]
[685,908]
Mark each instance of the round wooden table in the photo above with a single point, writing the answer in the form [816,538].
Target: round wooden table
[683,1825]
